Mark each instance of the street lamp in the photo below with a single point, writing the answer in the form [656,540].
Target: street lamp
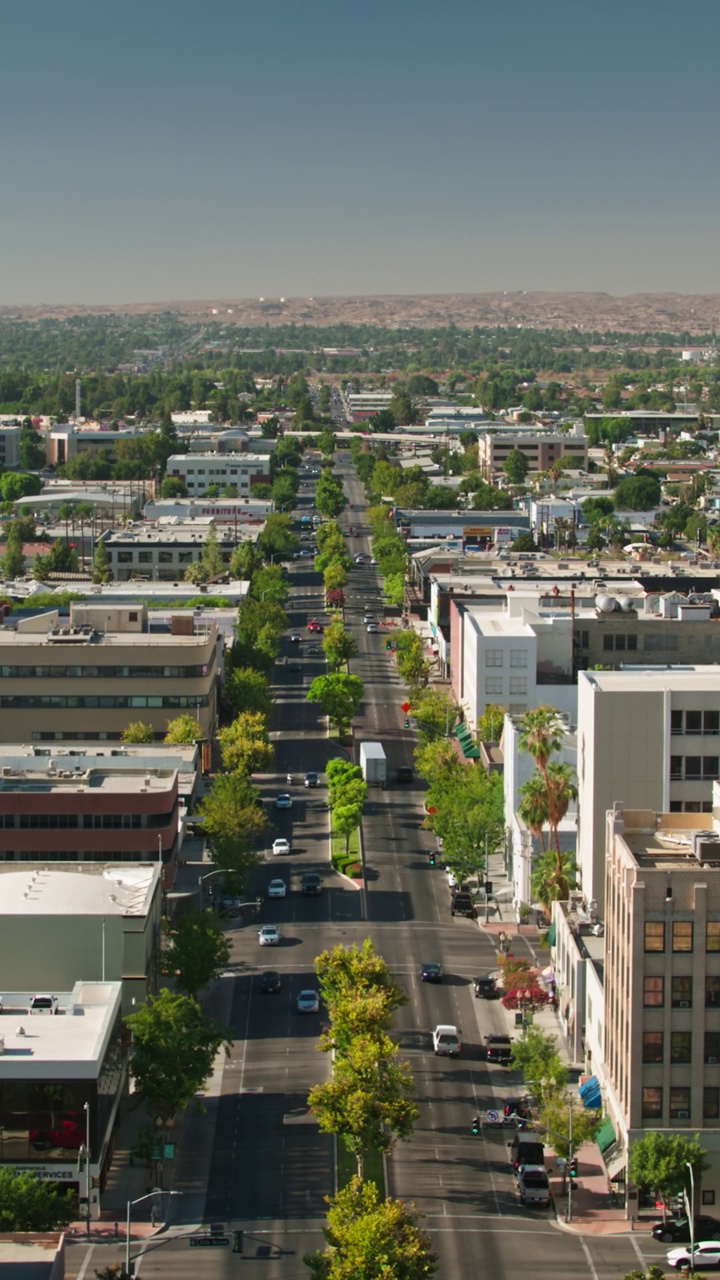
[157,1192]
[84,1155]
[691,1215]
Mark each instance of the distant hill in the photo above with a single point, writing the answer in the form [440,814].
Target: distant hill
[636,313]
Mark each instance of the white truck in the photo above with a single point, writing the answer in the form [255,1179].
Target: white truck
[373,764]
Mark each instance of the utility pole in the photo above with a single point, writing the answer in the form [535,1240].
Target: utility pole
[568,1217]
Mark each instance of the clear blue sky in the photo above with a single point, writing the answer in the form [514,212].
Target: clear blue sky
[172,149]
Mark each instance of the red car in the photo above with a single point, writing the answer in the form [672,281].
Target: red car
[314,626]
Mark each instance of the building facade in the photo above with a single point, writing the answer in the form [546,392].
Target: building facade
[234,471]
[541,449]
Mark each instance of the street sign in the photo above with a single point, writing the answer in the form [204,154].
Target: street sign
[207,1242]
[492,1117]
[405,706]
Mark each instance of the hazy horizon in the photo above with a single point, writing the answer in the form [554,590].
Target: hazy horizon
[166,152]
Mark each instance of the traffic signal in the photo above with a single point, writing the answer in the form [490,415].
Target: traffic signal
[431,859]
[573,1167]
[407,723]
[476,1125]
[388,644]
[237,1241]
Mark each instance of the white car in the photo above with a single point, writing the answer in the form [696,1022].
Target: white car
[372,627]
[704,1255]
[268,936]
[446,1040]
[308,1002]
[280,847]
[276,889]
[359,559]
[368,617]
[284,800]
[452,882]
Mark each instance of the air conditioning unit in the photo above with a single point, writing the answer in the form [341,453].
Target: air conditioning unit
[684,1004]
[683,1115]
[711,1061]
[706,846]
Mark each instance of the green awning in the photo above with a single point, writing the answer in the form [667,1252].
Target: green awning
[605,1136]
[551,935]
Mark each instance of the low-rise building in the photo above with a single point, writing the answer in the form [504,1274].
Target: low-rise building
[540,448]
[165,550]
[101,919]
[62,1074]
[234,471]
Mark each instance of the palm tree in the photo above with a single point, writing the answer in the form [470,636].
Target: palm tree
[533,807]
[540,736]
[552,787]
[562,789]
[551,880]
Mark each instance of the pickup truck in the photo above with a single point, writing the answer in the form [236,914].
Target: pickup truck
[462,904]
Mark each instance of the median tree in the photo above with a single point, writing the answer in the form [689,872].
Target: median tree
[346,818]
[338,697]
[345,973]
[174,1049]
[196,951]
[371,1238]
[248,690]
[338,644]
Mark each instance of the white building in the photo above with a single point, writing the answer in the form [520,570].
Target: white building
[235,471]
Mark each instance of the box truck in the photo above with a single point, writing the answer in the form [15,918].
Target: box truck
[373,764]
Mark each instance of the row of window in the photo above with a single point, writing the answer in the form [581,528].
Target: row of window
[23,701]
[681,992]
[494,684]
[84,821]
[680,1102]
[680,1047]
[102,673]
[694,768]
[163,557]
[682,934]
[496,657]
[698,723]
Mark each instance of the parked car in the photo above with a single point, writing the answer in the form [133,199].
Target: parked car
[284,800]
[276,889]
[430,972]
[280,846]
[270,981]
[308,1002]
[462,905]
[677,1230]
[268,936]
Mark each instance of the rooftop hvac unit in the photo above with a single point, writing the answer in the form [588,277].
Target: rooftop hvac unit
[706,847]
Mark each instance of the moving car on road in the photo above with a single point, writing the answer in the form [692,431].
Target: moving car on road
[533,1184]
[486,988]
[270,982]
[284,800]
[308,1002]
[446,1040]
[430,972]
[311,779]
[372,628]
[498,1049]
[268,936]
[311,884]
[276,889]
[404,773]
[280,847]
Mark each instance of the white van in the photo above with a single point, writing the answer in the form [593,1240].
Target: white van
[533,1184]
[446,1040]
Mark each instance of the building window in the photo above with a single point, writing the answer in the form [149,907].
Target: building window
[693,721]
[518,658]
[712,993]
[682,935]
[712,1047]
[681,1046]
[676,722]
[652,1102]
[676,768]
[654,992]
[680,1103]
[607,642]
[681,991]
[712,935]
[632,643]
[493,684]
[584,639]
[654,935]
[652,1046]
[493,657]
[619,642]
[518,685]
[711,722]
[710,768]
[708,1196]
[693,768]
[711,1103]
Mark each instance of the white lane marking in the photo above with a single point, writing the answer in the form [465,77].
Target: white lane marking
[86,1263]
[638,1251]
[588,1259]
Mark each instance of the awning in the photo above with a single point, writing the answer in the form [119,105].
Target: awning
[551,935]
[467,742]
[615,1161]
[605,1136]
[590,1095]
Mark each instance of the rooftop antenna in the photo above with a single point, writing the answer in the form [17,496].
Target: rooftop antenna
[78,399]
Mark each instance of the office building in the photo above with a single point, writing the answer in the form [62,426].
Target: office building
[540,448]
[236,472]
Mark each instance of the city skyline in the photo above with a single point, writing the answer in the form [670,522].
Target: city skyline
[168,152]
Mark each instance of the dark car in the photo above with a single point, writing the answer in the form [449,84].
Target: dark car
[462,905]
[677,1230]
[523,1152]
[270,981]
[294,666]
[498,1049]
[430,972]
[486,988]
[311,779]
[311,883]
[404,773]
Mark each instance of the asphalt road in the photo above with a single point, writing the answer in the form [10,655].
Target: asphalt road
[271,1167]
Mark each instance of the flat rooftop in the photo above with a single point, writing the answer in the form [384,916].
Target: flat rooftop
[71,1043]
[90,889]
[98,779]
[65,645]
[680,679]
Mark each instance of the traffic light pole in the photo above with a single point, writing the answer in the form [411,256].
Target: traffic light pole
[568,1214]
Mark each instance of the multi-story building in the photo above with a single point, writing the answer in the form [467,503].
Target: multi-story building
[648,737]
[88,680]
[9,447]
[62,1074]
[163,552]
[661,1070]
[233,471]
[244,514]
[540,448]
[190,760]
[97,918]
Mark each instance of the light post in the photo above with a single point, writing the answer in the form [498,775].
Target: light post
[549,1085]
[690,1207]
[84,1161]
[130,1203]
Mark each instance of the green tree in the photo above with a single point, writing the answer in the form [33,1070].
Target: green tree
[536,1057]
[346,818]
[28,1203]
[490,724]
[515,467]
[249,690]
[277,538]
[341,777]
[555,1118]
[196,951]
[329,499]
[368,1102]
[346,973]
[138,731]
[524,542]
[59,559]
[338,696]
[183,729]
[233,820]
[174,1049]
[657,1162]
[244,745]
[173,487]
[31,448]
[434,713]
[269,583]
[210,565]
[394,590]
[243,561]
[334,576]
[371,1238]
[640,492]
[260,623]
[16,484]
[101,570]
[469,818]
[13,561]
[338,643]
